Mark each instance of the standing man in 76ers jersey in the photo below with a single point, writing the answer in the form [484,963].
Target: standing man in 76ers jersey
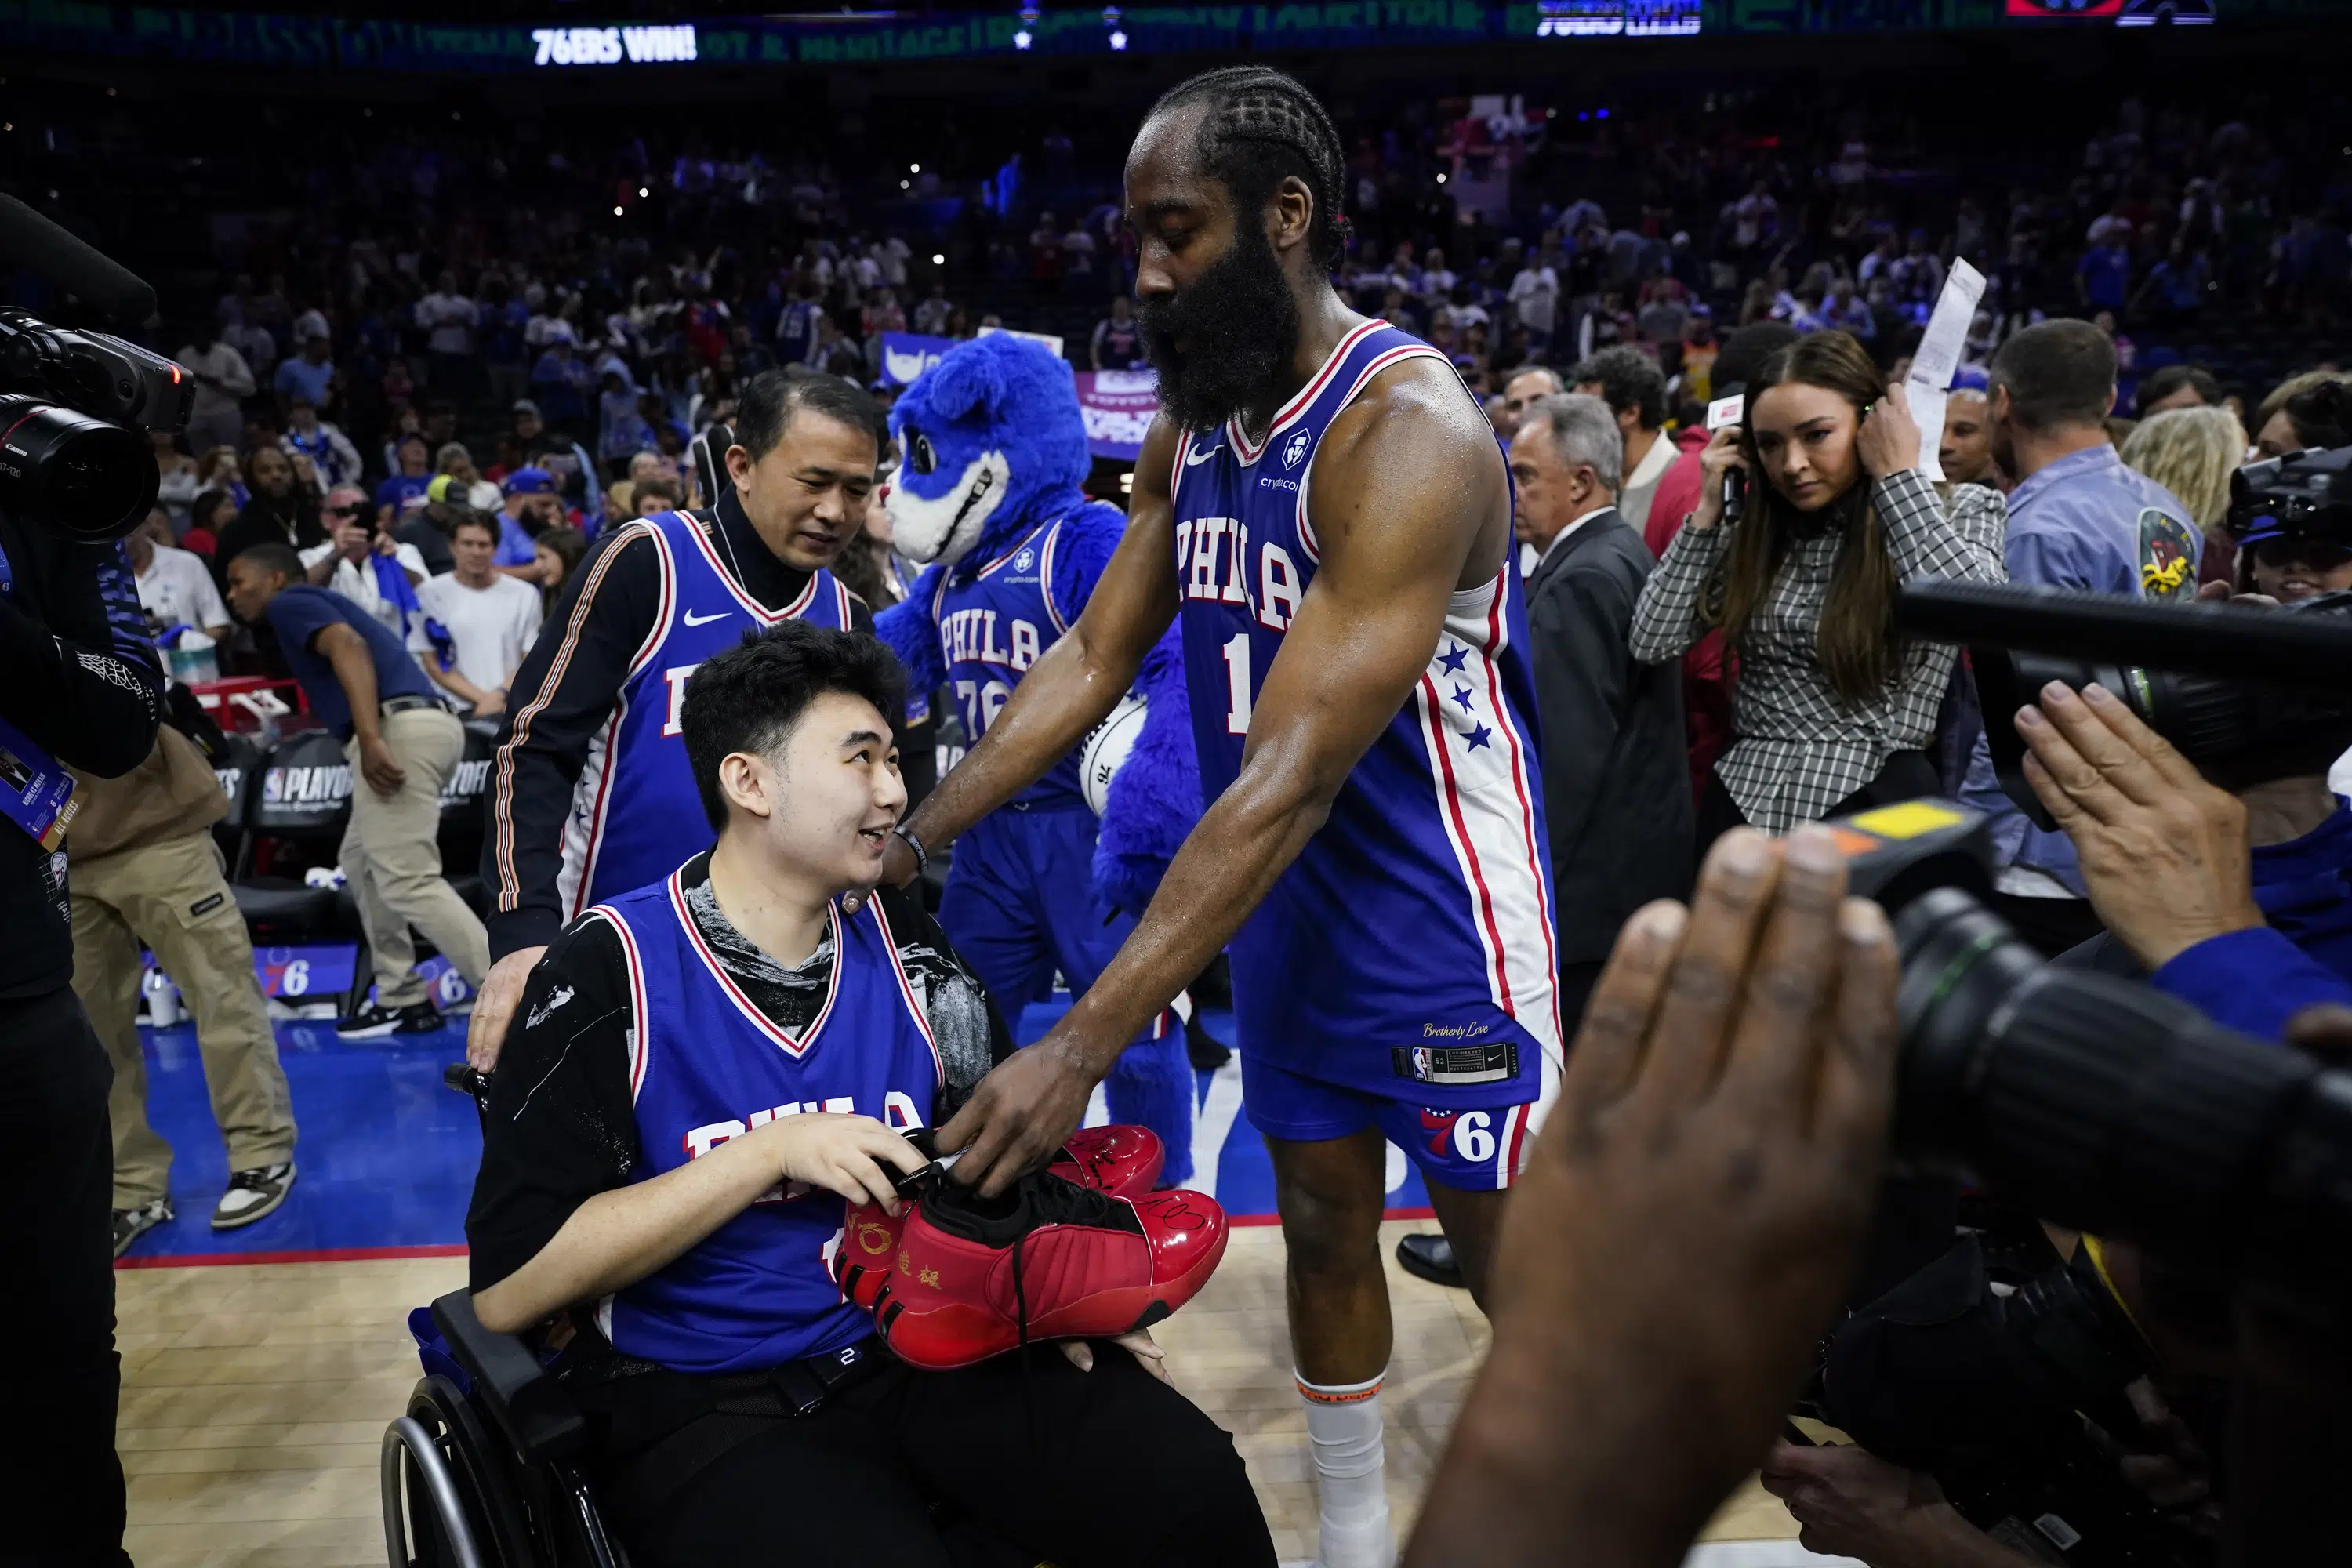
[591,794]
[1324,506]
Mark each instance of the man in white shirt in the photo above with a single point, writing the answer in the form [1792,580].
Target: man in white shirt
[224,380]
[449,319]
[492,619]
[175,587]
[1534,295]
[347,563]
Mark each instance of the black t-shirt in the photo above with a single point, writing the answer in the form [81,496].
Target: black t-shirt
[560,1128]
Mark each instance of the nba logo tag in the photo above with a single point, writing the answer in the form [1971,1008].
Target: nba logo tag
[1420,1063]
[1294,450]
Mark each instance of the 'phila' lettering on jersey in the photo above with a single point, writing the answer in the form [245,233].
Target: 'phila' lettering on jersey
[1421,908]
[994,623]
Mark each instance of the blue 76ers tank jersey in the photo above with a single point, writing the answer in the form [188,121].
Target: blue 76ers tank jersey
[705,1066]
[1408,952]
[635,813]
[994,623]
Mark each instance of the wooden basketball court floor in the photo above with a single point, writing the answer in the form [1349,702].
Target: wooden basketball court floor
[255,1395]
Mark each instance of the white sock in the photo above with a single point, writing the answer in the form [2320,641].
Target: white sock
[1343,1426]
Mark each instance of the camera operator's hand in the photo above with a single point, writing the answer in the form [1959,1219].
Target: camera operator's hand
[2163,854]
[1888,441]
[1687,1221]
[1849,1502]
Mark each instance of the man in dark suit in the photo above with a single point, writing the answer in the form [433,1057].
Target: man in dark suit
[1616,765]
[1614,750]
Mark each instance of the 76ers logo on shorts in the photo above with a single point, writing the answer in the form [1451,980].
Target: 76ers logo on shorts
[1437,1126]
[1294,449]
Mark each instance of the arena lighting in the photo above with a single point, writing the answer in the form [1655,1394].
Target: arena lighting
[643,191]
[914,168]
[618,213]
[938,259]
[635,46]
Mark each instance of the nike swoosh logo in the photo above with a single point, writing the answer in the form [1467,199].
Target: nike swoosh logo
[1192,458]
[692,619]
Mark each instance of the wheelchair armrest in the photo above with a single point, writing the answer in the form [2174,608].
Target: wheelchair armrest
[535,1412]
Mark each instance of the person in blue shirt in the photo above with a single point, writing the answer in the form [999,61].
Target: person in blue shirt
[529,505]
[406,488]
[363,685]
[2251,935]
[2102,277]
[2078,518]
[309,376]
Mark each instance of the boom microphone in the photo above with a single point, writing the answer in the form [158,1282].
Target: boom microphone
[28,239]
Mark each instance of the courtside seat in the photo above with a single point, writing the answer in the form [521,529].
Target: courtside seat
[298,800]
[237,763]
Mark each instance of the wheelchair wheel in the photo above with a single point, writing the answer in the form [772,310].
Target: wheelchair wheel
[448,1497]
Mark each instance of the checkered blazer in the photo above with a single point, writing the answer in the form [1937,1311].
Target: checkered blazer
[1798,750]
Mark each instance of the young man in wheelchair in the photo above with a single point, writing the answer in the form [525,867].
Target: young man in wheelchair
[699,1074]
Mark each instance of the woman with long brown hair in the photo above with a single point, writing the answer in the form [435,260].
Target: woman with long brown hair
[1831,710]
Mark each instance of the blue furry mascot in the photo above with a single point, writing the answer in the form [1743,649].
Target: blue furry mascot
[994,450]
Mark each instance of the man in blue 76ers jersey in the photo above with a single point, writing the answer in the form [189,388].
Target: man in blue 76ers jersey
[590,794]
[1324,504]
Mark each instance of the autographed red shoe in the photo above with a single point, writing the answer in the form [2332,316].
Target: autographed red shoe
[975,1278]
[1122,1160]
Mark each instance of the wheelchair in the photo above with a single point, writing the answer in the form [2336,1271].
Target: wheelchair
[483,1470]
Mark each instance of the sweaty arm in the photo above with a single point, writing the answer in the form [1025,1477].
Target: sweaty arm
[1082,677]
[1406,485]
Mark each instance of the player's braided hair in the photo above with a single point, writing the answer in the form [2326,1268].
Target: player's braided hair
[1262,125]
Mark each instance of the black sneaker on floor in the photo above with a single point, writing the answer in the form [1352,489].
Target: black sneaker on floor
[1430,1257]
[376,1020]
[130,1225]
[253,1193]
[1202,1049]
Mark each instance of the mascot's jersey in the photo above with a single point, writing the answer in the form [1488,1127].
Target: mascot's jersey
[707,1066]
[993,623]
[1410,943]
[635,813]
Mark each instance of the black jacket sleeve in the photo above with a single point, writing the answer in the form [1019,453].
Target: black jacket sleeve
[559,698]
[560,1128]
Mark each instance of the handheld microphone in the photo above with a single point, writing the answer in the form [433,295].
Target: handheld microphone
[28,239]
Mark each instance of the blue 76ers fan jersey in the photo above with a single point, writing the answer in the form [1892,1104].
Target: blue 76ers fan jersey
[635,813]
[706,1065]
[994,625]
[1408,952]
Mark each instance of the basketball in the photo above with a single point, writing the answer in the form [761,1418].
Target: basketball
[1106,750]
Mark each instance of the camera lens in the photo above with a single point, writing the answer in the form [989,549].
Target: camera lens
[92,481]
[2105,1105]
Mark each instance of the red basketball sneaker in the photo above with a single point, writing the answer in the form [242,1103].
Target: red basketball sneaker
[1120,1159]
[975,1278]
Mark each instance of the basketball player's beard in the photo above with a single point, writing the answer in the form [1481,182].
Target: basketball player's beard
[1240,326]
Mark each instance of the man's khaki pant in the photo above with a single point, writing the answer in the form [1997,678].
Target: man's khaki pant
[392,859]
[172,897]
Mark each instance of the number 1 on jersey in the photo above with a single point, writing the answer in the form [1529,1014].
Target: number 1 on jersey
[1237,684]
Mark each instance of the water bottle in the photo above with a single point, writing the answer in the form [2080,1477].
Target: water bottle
[163,1009]
[194,662]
